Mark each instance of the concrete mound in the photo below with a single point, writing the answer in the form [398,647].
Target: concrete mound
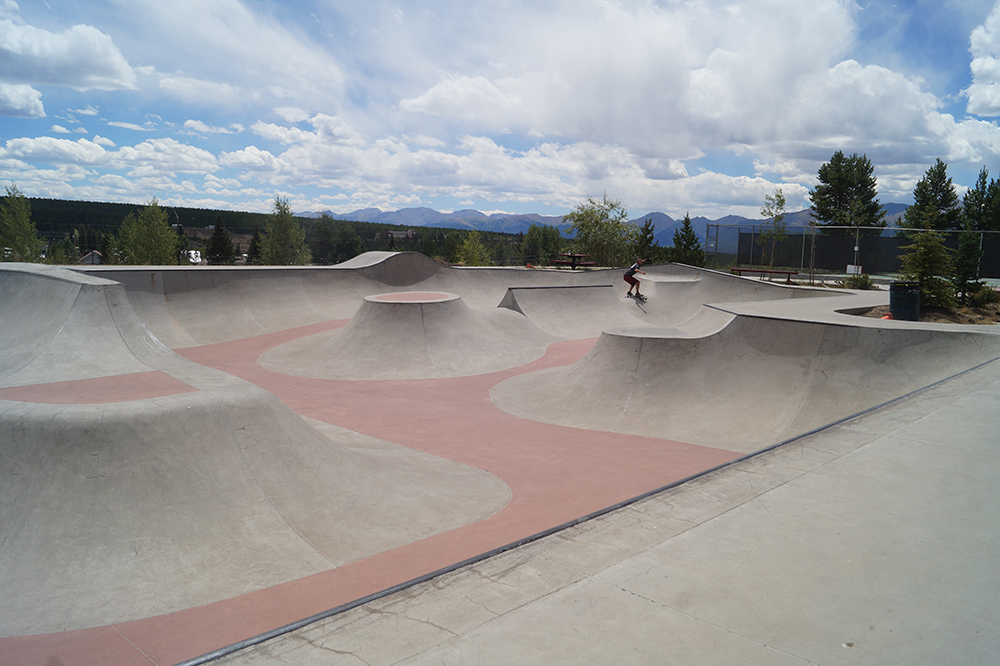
[115,505]
[413,335]
[743,385]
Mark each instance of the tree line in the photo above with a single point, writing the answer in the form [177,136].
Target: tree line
[157,235]
[153,235]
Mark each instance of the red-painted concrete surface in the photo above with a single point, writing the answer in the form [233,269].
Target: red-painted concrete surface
[556,474]
[119,388]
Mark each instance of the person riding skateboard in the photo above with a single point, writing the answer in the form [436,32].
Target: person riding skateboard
[629,277]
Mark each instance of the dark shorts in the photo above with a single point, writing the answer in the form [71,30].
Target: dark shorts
[631,280]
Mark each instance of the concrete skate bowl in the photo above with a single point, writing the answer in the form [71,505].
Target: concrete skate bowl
[284,494]
[137,483]
[742,382]
[674,293]
[186,307]
[413,335]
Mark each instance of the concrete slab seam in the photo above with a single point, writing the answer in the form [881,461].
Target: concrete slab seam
[707,623]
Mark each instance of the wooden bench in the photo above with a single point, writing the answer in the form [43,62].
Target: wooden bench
[765,271]
[572,263]
[573,260]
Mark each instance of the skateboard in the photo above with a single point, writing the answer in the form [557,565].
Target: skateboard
[638,297]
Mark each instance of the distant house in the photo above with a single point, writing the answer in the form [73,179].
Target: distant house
[91,258]
[399,235]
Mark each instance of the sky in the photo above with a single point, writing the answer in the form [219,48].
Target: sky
[517,106]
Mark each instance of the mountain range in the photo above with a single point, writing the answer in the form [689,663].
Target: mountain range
[663,224]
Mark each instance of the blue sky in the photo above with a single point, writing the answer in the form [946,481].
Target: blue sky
[516,106]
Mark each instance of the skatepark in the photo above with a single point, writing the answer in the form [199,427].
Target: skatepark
[395,461]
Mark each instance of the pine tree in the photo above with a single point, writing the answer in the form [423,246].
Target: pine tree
[966,265]
[19,239]
[253,251]
[927,261]
[846,197]
[219,249]
[687,248]
[347,244]
[935,201]
[646,246]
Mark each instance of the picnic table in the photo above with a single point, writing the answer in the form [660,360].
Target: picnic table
[573,260]
[765,271]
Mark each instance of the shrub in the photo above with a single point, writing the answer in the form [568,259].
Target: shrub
[862,282]
[983,296]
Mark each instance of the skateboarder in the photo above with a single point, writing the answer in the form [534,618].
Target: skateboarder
[632,282]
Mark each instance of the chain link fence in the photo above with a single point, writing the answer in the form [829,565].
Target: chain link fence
[806,248]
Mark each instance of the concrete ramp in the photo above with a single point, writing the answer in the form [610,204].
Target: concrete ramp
[58,326]
[748,383]
[413,335]
[570,312]
[137,483]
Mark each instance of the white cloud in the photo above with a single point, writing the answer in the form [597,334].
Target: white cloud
[471,98]
[423,140]
[202,128]
[291,114]
[247,52]
[20,100]
[169,155]
[195,90]
[326,130]
[648,100]
[103,141]
[250,157]
[59,129]
[81,57]
[132,126]
[49,150]
[984,93]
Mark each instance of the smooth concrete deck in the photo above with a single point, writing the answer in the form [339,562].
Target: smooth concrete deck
[157,505]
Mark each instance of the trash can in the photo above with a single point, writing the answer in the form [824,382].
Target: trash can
[904,300]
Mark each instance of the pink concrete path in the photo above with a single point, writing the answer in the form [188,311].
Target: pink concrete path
[556,474]
[98,391]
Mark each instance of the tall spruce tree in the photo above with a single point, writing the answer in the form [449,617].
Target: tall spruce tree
[846,197]
[253,250]
[646,246]
[935,201]
[928,262]
[219,249]
[687,248]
